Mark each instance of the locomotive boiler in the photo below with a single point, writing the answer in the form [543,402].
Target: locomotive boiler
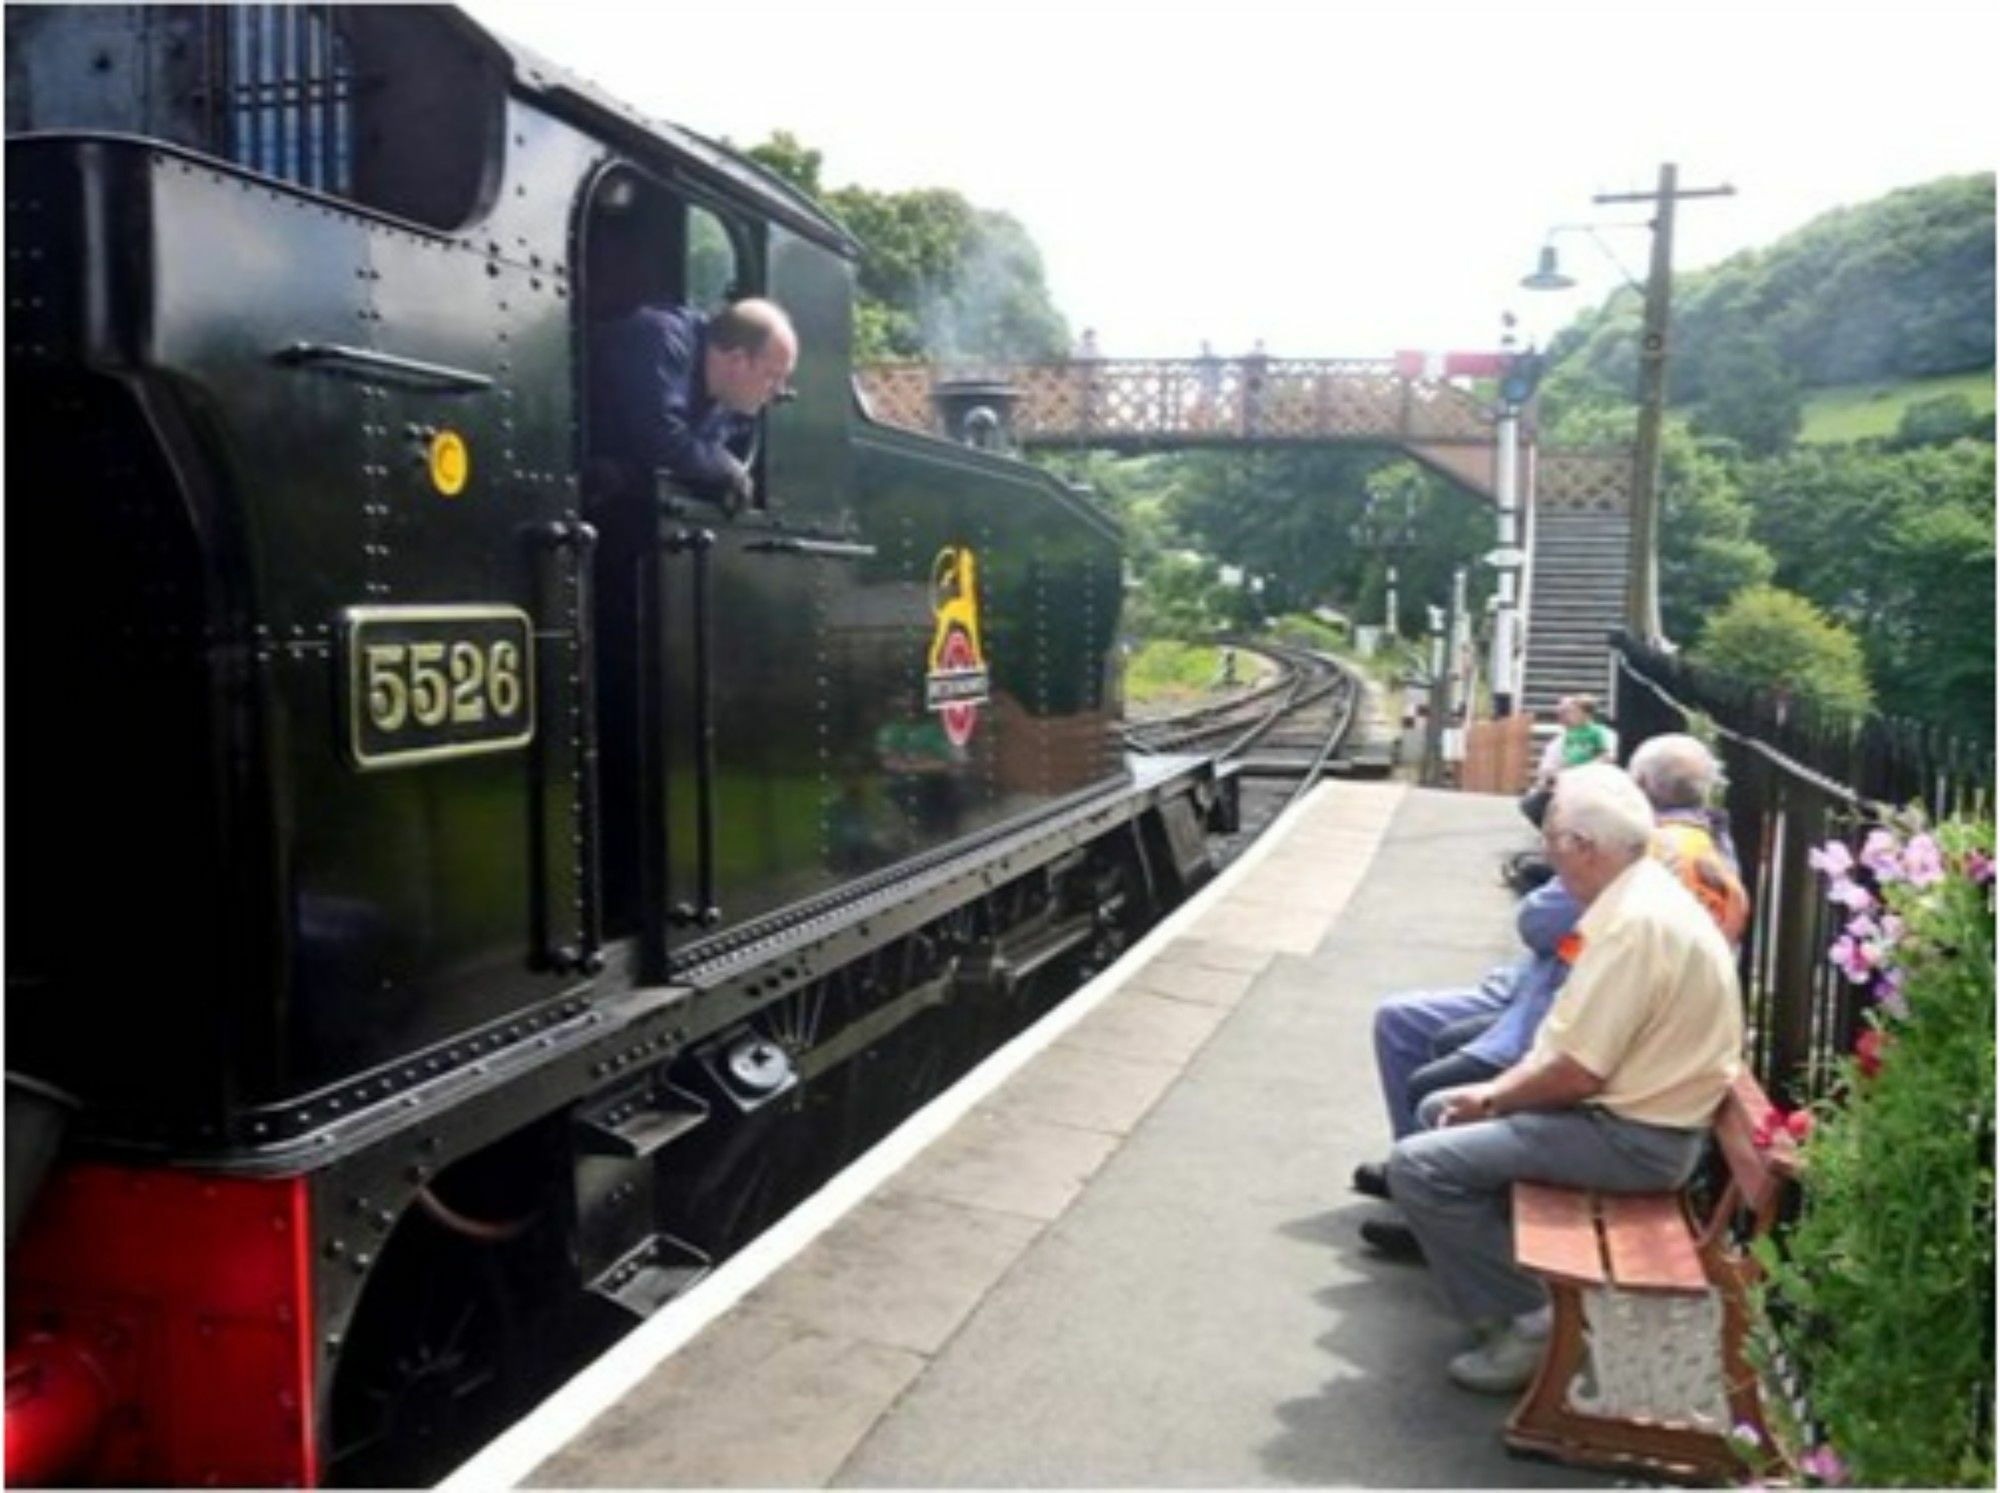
[454,895]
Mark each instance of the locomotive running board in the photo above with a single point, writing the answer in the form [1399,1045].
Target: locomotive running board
[570,1052]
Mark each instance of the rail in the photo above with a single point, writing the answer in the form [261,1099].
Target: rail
[1312,696]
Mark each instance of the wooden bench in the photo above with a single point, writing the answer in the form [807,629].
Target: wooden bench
[1645,1367]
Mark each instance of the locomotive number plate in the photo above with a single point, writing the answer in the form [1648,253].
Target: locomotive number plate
[425,683]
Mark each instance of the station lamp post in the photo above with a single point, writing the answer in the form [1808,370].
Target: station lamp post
[1642,580]
[1390,535]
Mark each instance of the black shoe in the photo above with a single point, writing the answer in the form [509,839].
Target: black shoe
[1392,1241]
[1371,1179]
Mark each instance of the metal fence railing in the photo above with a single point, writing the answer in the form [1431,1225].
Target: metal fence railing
[1796,780]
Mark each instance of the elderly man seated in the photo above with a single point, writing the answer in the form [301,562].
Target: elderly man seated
[1616,1093]
[1429,1040]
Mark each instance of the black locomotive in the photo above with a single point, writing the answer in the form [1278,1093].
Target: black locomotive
[451,895]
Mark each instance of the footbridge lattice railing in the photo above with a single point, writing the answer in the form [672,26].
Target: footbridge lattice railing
[1141,404]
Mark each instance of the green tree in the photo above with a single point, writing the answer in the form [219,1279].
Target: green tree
[1773,640]
[939,277]
[1897,545]
[1749,396]
[1942,420]
[1935,652]
[1895,288]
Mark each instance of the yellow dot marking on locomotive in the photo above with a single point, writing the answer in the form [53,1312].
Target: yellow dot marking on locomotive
[451,463]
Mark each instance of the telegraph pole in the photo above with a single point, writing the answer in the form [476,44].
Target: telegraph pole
[1642,582]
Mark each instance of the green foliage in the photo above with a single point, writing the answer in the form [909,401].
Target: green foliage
[1301,631]
[1168,669]
[1773,640]
[1874,411]
[1288,516]
[1936,652]
[1898,545]
[1889,1272]
[1942,420]
[1179,596]
[1708,553]
[1901,287]
[1750,396]
[939,277]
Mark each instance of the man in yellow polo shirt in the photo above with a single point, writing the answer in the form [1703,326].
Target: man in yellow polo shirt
[1616,1093]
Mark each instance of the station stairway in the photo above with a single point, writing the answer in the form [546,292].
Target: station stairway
[1578,598]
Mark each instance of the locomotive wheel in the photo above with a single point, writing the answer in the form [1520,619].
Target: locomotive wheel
[457,1326]
[429,1362]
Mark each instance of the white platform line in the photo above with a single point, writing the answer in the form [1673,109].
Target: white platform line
[512,1456]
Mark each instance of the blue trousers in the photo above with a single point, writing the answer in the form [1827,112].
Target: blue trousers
[1454,1187]
[1406,1025]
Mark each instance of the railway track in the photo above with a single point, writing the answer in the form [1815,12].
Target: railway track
[1277,738]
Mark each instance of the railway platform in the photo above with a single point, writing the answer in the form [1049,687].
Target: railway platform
[1124,1253]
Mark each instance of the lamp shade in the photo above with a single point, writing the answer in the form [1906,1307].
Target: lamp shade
[1546,275]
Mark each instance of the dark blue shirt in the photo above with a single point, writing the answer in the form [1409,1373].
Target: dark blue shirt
[651,402]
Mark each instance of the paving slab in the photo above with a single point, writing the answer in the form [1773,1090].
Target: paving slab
[1007,1162]
[1181,978]
[1207,955]
[766,1403]
[1135,1024]
[854,1281]
[1204,1315]
[1136,1264]
[1092,1090]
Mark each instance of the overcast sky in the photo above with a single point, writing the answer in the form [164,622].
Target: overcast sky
[1339,180]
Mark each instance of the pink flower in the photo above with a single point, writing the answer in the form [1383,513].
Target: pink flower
[1889,991]
[1857,952]
[1851,895]
[1823,1465]
[1922,862]
[1833,859]
[1893,929]
[1979,867]
[1879,854]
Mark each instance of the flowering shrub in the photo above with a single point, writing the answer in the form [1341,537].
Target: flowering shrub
[1889,1270]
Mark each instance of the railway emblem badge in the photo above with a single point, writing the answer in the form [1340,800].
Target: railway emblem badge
[956,685]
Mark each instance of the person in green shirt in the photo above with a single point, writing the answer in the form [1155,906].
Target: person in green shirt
[1583,739]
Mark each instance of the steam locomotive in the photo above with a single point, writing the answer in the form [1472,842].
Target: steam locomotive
[453,893]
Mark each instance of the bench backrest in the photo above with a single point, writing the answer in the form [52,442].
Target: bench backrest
[1758,1172]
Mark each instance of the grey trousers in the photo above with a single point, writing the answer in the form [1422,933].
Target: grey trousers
[1453,1186]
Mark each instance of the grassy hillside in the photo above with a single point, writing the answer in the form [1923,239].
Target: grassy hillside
[1856,412]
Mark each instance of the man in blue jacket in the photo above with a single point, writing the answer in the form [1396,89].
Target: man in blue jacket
[678,392]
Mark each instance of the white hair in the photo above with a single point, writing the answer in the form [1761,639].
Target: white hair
[1600,803]
[1675,771]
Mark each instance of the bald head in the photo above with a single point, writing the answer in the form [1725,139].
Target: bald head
[752,350]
